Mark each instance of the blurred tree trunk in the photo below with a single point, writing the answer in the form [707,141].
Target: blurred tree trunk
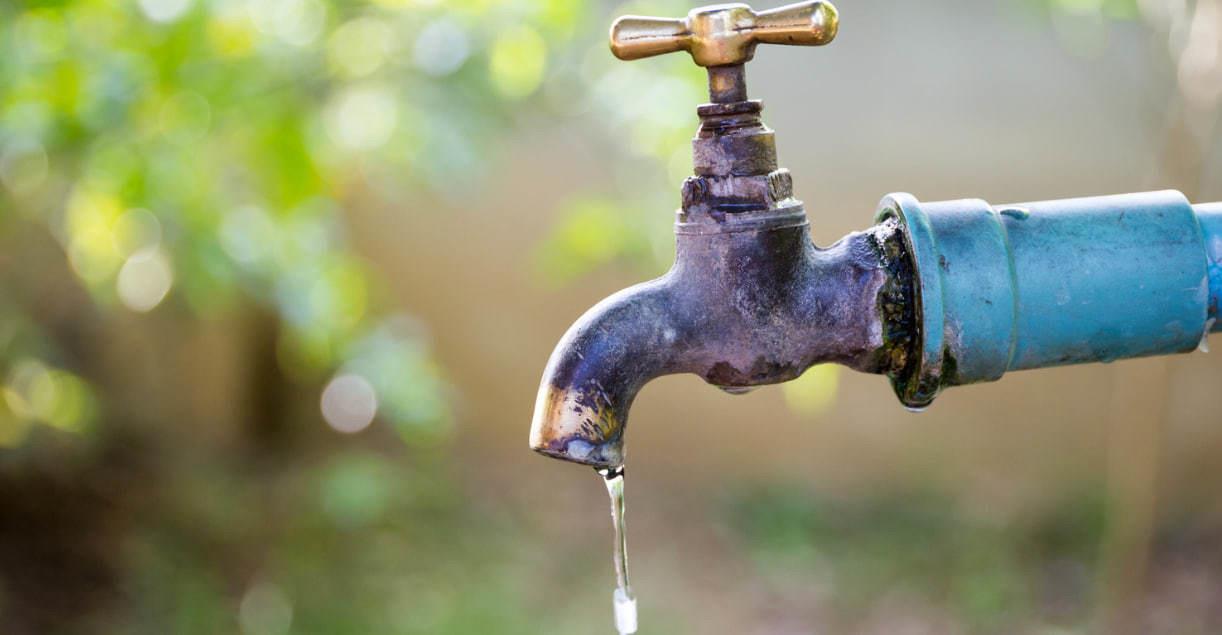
[267,424]
[1137,413]
[173,391]
[1138,410]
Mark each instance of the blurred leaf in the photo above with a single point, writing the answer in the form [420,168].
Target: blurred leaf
[356,490]
[592,232]
[517,61]
[186,157]
[991,574]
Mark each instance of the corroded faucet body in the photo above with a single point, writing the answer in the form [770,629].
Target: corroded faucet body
[754,304]
[749,301]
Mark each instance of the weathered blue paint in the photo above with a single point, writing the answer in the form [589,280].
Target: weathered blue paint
[1032,285]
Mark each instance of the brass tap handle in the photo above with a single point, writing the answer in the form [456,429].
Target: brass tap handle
[724,34]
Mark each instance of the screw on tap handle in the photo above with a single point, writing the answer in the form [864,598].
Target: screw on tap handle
[726,34]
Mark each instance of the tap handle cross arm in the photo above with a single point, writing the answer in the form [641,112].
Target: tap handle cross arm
[725,34]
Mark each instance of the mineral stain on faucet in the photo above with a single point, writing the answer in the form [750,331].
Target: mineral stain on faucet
[934,295]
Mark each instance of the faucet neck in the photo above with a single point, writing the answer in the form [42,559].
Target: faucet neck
[733,141]
[727,84]
[735,162]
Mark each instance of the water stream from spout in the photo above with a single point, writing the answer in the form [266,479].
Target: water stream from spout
[624,600]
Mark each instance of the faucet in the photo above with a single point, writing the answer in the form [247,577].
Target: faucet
[933,295]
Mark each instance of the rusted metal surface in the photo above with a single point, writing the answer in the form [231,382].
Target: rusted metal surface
[754,304]
[749,301]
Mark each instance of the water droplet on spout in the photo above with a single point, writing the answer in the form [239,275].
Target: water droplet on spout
[736,390]
[1203,346]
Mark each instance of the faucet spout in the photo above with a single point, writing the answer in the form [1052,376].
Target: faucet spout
[596,370]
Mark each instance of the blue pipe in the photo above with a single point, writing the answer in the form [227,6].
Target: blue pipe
[1043,284]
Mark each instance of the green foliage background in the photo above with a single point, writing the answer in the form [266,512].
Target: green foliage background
[195,158]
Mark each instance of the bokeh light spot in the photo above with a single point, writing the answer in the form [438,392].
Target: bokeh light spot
[349,403]
[338,297]
[265,610]
[295,22]
[517,61]
[93,255]
[164,10]
[359,47]
[145,279]
[362,117]
[814,392]
[247,235]
[90,225]
[231,32]
[441,48]
[36,392]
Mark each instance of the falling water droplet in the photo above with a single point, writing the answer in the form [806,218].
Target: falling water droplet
[624,600]
[625,612]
